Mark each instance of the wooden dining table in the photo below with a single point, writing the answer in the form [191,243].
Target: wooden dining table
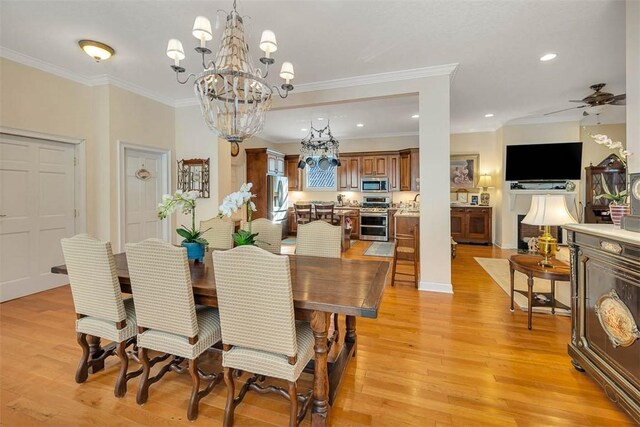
[321,286]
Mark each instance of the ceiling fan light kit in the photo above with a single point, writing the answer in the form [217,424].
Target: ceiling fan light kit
[233,94]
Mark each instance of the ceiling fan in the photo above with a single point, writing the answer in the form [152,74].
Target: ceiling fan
[596,99]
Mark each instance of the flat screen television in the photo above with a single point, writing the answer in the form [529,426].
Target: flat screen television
[544,162]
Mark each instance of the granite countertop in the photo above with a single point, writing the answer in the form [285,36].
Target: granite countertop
[408,213]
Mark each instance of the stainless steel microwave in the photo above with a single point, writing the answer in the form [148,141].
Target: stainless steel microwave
[374,184]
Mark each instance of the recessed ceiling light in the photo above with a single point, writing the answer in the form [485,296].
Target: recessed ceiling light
[304,129]
[96,50]
[415,116]
[488,115]
[548,57]
[360,125]
[321,118]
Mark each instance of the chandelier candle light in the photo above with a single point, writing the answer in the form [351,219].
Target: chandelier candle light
[233,94]
[547,210]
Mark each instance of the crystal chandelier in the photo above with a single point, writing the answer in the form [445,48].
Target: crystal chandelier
[234,95]
[319,148]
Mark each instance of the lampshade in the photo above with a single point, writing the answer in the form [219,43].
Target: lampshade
[202,29]
[175,50]
[286,72]
[268,42]
[549,209]
[485,181]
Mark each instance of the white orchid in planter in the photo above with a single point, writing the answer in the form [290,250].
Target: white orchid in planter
[186,202]
[619,197]
[234,202]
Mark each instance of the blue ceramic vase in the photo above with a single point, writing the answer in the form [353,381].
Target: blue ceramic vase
[195,251]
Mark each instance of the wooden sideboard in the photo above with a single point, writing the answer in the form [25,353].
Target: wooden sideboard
[605,312]
[471,224]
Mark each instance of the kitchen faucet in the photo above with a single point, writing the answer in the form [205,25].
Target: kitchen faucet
[415,199]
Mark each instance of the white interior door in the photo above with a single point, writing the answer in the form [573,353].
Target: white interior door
[37,209]
[145,175]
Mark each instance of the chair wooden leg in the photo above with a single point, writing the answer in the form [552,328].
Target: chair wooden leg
[231,391]
[82,373]
[336,330]
[121,383]
[192,412]
[143,386]
[415,269]
[293,402]
[393,267]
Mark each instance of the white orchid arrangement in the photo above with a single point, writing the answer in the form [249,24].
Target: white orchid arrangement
[619,196]
[234,202]
[186,202]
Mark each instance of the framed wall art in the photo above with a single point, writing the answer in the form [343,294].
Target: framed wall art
[474,200]
[463,171]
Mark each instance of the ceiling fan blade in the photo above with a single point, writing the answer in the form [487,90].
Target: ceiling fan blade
[619,99]
[566,109]
[577,100]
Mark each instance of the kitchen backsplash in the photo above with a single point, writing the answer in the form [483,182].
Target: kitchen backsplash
[332,196]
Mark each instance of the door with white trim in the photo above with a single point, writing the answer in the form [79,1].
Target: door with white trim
[37,209]
[143,189]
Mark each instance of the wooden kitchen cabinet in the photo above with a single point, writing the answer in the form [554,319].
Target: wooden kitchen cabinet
[393,165]
[410,170]
[293,173]
[349,173]
[275,163]
[471,224]
[375,165]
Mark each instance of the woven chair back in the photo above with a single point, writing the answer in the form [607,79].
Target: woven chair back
[161,285]
[318,238]
[255,300]
[92,275]
[218,232]
[269,235]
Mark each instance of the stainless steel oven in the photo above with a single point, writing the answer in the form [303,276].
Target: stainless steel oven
[369,184]
[374,217]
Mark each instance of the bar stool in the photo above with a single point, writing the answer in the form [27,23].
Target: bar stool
[303,213]
[324,212]
[411,251]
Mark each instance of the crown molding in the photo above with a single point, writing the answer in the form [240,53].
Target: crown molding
[97,80]
[366,79]
[392,76]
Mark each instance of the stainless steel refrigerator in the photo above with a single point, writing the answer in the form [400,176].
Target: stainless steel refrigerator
[278,201]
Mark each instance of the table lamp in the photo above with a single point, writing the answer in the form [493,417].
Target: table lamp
[547,210]
[485,182]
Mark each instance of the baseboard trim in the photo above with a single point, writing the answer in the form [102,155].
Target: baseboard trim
[445,288]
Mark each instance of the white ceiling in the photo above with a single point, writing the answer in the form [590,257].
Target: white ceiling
[497,44]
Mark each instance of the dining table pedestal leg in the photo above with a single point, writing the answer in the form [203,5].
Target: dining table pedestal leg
[320,408]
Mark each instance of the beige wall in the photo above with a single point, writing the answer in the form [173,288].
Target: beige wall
[33,100]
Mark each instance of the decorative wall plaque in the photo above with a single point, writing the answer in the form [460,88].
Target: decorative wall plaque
[143,174]
[616,320]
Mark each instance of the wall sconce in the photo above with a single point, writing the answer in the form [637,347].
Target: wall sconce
[193,174]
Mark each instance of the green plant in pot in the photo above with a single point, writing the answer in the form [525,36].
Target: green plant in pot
[233,203]
[193,241]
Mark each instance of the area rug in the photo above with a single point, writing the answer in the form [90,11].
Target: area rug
[384,249]
[498,269]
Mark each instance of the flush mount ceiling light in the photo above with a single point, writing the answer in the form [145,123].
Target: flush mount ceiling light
[488,115]
[233,93]
[415,116]
[360,125]
[548,57]
[96,50]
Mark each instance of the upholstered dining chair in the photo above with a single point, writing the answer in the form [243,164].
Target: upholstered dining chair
[269,235]
[168,319]
[218,232]
[411,252]
[304,212]
[321,239]
[259,332]
[100,309]
[325,212]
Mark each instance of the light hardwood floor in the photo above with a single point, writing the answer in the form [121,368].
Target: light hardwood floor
[428,360]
